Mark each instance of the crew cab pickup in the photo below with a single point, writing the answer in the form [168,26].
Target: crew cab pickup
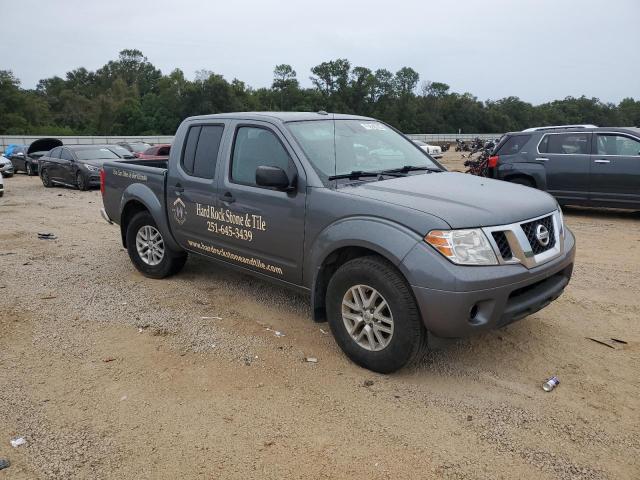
[389,245]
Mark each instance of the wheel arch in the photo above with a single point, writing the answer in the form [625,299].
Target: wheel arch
[337,245]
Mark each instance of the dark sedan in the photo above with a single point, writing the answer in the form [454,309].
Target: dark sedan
[75,165]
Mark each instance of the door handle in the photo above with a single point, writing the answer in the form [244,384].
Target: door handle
[602,161]
[542,159]
[228,198]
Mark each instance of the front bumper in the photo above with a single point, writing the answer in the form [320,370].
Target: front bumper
[520,293]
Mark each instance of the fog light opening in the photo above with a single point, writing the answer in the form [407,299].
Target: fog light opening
[473,314]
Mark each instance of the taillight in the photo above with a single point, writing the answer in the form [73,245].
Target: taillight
[493,161]
[102,177]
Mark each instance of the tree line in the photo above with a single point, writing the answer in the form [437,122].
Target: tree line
[130,96]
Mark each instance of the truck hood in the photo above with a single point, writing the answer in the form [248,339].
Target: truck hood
[461,200]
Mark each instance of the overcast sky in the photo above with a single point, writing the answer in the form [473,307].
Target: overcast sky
[537,50]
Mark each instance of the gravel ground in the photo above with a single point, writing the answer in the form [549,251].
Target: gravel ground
[109,375]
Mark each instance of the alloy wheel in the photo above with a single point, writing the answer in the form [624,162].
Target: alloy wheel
[367,317]
[150,245]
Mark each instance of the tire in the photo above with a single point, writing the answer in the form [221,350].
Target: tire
[408,339]
[81,182]
[46,180]
[523,181]
[29,170]
[170,262]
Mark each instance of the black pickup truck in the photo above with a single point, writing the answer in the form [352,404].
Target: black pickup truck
[386,242]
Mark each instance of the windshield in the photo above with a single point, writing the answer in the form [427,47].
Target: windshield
[358,145]
[96,154]
[139,147]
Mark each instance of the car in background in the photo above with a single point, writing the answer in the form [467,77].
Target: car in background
[75,165]
[135,148]
[578,164]
[27,158]
[157,152]
[433,150]
[6,167]
[121,151]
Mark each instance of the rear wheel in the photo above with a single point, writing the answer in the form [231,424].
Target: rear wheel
[373,315]
[46,180]
[147,248]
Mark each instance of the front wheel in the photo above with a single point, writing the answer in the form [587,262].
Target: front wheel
[373,315]
[30,171]
[81,182]
[148,251]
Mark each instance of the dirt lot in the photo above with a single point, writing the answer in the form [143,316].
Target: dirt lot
[108,374]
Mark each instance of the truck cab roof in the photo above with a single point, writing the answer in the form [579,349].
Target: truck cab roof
[283,117]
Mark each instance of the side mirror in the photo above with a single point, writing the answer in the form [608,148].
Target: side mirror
[273,177]
[19,154]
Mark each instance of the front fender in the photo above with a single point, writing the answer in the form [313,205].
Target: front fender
[535,171]
[141,193]
[388,239]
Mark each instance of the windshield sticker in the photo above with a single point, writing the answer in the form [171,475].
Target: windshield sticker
[373,126]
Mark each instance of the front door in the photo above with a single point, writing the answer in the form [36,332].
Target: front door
[192,186]
[66,168]
[615,170]
[261,228]
[565,157]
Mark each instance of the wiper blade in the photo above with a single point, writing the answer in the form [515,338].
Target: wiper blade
[410,168]
[355,175]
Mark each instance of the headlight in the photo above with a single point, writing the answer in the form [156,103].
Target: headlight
[562,231]
[91,168]
[464,247]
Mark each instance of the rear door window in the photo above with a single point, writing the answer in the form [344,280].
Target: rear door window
[201,150]
[565,144]
[611,144]
[513,145]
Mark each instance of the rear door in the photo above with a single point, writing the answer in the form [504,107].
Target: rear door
[261,228]
[50,162]
[192,186]
[615,170]
[566,160]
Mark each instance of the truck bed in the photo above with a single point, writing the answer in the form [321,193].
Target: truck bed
[133,175]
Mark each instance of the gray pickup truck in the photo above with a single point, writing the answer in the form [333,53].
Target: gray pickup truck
[389,245]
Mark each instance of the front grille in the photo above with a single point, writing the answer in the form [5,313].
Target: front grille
[530,228]
[503,245]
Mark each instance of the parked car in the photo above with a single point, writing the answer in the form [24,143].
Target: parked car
[121,151]
[135,147]
[157,152]
[27,158]
[6,167]
[577,164]
[75,165]
[433,150]
[388,247]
